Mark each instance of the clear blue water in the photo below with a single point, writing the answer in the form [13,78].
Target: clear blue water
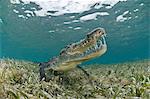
[38,38]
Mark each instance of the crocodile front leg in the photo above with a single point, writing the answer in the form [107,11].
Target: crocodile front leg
[87,74]
[42,71]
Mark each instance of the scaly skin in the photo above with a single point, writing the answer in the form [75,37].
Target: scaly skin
[72,55]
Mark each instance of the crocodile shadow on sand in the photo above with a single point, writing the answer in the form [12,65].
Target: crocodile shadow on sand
[70,57]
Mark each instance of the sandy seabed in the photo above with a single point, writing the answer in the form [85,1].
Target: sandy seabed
[20,80]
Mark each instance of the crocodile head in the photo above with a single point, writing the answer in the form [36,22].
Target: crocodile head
[93,45]
[96,44]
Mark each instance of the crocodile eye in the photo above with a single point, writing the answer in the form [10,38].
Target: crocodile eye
[100,31]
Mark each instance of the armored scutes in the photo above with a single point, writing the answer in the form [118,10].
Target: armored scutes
[93,45]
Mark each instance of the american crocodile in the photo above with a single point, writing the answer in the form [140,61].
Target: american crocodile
[70,57]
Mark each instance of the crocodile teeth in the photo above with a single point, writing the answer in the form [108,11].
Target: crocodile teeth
[96,46]
[100,43]
[103,39]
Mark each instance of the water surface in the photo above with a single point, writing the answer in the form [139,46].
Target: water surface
[35,32]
